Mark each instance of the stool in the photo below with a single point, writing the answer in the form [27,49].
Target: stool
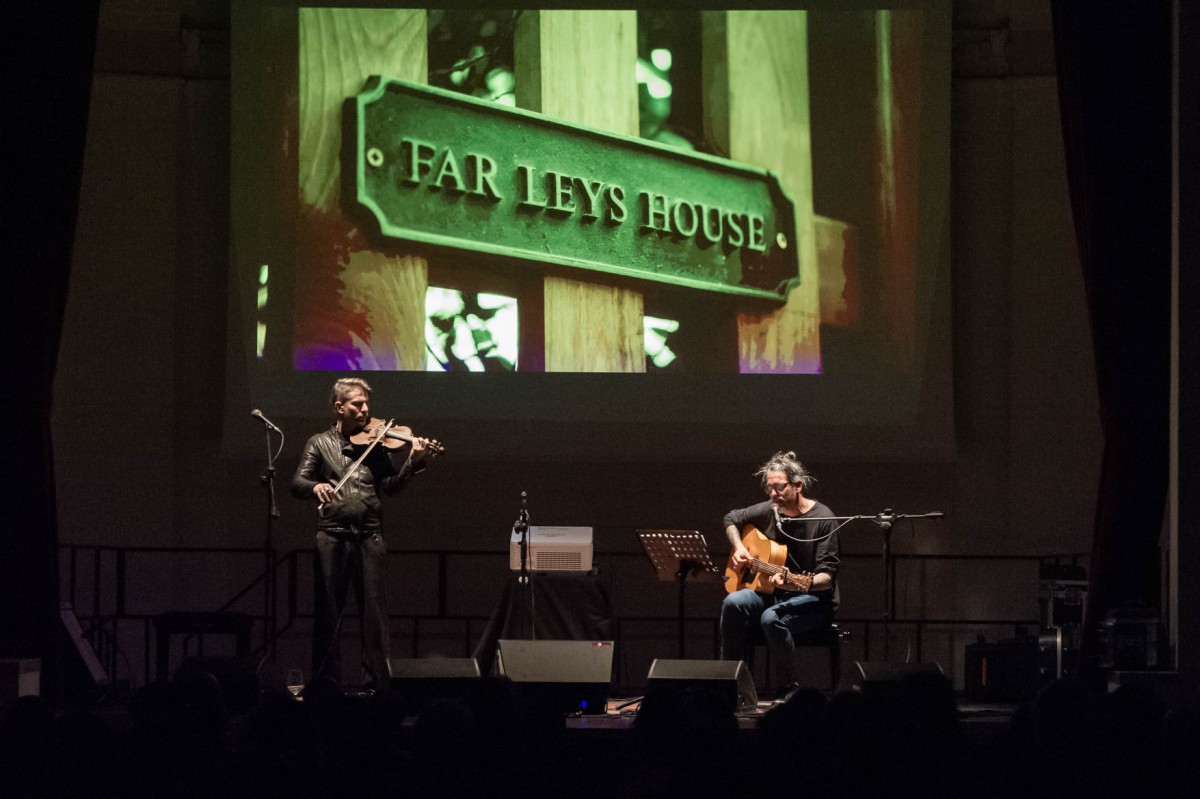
[194,623]
[828,637]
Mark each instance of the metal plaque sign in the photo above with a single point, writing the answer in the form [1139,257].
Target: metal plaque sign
[446,169]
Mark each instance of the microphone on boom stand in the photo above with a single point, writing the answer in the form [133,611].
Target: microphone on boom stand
[521,528]
[524,578]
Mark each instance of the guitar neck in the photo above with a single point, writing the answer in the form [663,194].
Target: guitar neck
[766,568]
[791,579]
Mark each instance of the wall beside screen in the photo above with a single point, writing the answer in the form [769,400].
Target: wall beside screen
[677,317]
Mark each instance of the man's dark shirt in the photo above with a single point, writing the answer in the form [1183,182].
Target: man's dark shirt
[816,551]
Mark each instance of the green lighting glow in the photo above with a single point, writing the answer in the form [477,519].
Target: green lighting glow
[655,332]
[661,58]
[262,287]
[470,332]
[886,104]
[260,331]
[658,87]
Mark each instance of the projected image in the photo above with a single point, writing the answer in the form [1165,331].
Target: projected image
[658,348]
[470,332]
[667,114]
[260,326]
[708,194]
[474,52]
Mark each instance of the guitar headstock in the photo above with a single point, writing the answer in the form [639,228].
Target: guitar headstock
[798,581]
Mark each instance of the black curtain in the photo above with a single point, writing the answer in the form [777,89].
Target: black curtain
[49,49]
[1114,81]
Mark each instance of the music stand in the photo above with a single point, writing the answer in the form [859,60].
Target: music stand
[677,555]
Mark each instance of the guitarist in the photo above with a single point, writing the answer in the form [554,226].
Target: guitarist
[800,599]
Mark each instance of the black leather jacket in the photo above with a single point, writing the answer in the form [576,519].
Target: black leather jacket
[358,506]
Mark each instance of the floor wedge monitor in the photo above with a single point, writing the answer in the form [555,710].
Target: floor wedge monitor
[671,679]
[881,677]
[559,676]
[422,680]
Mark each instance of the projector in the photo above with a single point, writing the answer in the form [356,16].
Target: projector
[566,549]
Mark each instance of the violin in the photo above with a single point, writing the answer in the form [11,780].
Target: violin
[378,433]
[391,436]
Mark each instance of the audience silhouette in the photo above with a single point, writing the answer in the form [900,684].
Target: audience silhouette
[179,738]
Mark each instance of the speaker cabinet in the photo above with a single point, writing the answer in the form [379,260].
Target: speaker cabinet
[419,681]
[884,677]
[559,676]
[730,678]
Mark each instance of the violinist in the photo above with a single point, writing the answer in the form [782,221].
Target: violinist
[347,470]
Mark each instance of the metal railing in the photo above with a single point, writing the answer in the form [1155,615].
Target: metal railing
[102,607]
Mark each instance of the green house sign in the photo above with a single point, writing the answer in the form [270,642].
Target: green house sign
[445,169]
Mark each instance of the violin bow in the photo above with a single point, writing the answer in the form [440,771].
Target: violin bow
[378,437]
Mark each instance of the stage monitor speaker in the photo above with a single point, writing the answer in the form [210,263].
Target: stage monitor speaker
[730,678]
[419,681]
[559,676]
[876,678]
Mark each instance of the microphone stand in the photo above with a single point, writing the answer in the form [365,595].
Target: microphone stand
[270,597]
[524,578]
[885,521]
[521,527]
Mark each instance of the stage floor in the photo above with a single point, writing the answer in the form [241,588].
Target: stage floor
[621,713]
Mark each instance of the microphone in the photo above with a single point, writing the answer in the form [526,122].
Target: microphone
[522,524]
[889,516]
[258,415]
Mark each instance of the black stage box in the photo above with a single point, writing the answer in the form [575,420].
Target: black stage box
[1012,670]
[983,672]
[1129,639]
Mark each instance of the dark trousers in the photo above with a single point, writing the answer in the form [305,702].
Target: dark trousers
[780,620]
[341,563]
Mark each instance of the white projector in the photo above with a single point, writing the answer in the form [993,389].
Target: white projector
[554,549]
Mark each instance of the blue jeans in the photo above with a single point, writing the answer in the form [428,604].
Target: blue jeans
[780,621]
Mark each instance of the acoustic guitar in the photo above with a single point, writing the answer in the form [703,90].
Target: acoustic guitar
[768,558]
